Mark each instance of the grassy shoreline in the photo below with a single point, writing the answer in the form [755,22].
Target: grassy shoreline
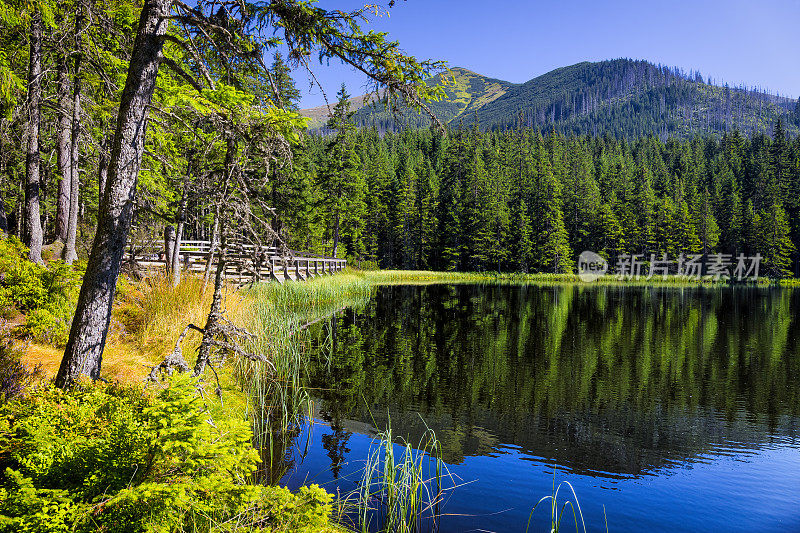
[149,315]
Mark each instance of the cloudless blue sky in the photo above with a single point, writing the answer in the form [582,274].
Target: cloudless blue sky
[735,41]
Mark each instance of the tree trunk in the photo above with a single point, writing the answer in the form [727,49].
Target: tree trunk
[169,248]
[335,234]
[3,219]
[19,215]
[3,216]
[214,314]
[102,165]
[84,351]
[175,267]
[211,250]
[63,144]
[33,224]
[70,253]
[181,220]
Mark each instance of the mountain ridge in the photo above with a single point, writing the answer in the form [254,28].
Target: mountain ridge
[623,97]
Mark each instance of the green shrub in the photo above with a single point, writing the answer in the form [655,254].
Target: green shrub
[46,295]
[15,376]
[117,459]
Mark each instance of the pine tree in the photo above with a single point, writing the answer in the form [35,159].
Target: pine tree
[450,204]
[427,201]
[608,237]
[641,235]
[377,171]
[407,213]
[686,235]
[476,231]
[341,180]
[779,170]
[521,237]
[797,112]
[751,223]
[774,241]
[284,93]
[581,196]
[551,250]
[704,222]
[729,212]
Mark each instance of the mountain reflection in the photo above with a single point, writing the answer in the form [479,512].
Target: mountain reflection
[607,381]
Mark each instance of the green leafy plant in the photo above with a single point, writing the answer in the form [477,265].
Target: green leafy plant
[46,295]
[122,459]
[15,376]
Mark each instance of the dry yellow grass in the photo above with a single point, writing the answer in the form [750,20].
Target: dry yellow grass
[148,317]
[120,362]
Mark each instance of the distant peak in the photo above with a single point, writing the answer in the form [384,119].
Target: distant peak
[463,69]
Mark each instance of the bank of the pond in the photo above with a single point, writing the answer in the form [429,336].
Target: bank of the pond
[149,315]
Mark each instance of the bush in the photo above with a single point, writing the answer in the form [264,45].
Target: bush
[362,264]
[47,295]
[115,459]
[15,376]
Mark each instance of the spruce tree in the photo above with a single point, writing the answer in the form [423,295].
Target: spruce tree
[407,213]
[729,212]
[779,169]
[551,249]
[641,235]
[341,180]
[704,222]
[450,204]
[427,201]
[609,240]
[284,93]
[521,237]
[774,241]
[581,196]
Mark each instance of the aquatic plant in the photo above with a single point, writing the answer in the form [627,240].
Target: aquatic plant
[401,488]
[557,509]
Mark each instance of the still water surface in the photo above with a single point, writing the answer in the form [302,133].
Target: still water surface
[666,408]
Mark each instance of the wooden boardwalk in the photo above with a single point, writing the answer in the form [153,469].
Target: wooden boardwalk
[243,264]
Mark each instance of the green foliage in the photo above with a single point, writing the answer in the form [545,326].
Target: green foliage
[519,201]
[46,295]
[399,492]
[15,376]
[115,459]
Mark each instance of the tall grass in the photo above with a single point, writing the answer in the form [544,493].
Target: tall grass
[278,315]
[278,404]
[317,296]
[371,278]
[152,313]
[399,492]
[557,510]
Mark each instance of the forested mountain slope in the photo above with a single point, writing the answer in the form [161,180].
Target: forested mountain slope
[623,97]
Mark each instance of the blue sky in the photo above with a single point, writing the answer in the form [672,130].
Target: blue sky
[734,41]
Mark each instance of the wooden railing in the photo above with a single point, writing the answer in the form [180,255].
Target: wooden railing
[243,263]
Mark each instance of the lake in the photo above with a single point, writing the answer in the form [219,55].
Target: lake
[665,408]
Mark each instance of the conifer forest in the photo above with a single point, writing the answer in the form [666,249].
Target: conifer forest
[265,268]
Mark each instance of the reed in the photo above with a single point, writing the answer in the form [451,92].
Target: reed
[401,488]
[557,509]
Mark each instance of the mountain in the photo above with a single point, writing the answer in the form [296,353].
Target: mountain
[623,97]
[466,92]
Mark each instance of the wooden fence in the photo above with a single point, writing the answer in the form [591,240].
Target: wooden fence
[243,263]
